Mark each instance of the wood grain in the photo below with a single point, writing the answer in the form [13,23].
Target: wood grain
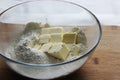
[104,64]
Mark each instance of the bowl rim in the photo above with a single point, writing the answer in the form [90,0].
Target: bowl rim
[61,63]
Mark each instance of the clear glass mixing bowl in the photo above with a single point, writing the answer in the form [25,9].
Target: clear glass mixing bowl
[65,13]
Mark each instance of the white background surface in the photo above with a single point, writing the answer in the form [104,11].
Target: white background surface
[107,11]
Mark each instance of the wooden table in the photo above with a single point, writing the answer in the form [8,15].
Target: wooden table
[103,65]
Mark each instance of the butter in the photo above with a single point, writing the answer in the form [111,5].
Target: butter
[56,30]
[45,30]
[69,37]
[75,49]
[56,37]
[59,51]
[31,44]
[37,46]
[46,47]
[70,46]
[52,30]
[44,38]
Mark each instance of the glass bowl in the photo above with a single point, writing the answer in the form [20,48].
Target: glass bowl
[65,13]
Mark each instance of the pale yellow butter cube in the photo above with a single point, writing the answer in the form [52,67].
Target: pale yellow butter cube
[52,30]
[37,46]
[44,38]
[59,51]
[75,49]
[70,46]
[69,37]
[46,47]
[56,37]
[31,44]
[56,30]
[45,31]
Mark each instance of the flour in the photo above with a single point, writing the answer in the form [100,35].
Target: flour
[20,51]
[25,47]
[31,55]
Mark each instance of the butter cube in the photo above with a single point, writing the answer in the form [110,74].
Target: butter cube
[31,44]
[37,46]
[45,31]
[56,37]
[70,46]
[52,30]
[59,51]
[44,38]
[56,30]
[69,37]
[75,49]
[46,47]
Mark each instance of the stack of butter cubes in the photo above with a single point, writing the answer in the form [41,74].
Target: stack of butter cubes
[55,42]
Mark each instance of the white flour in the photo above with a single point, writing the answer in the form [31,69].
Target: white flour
[20,52]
